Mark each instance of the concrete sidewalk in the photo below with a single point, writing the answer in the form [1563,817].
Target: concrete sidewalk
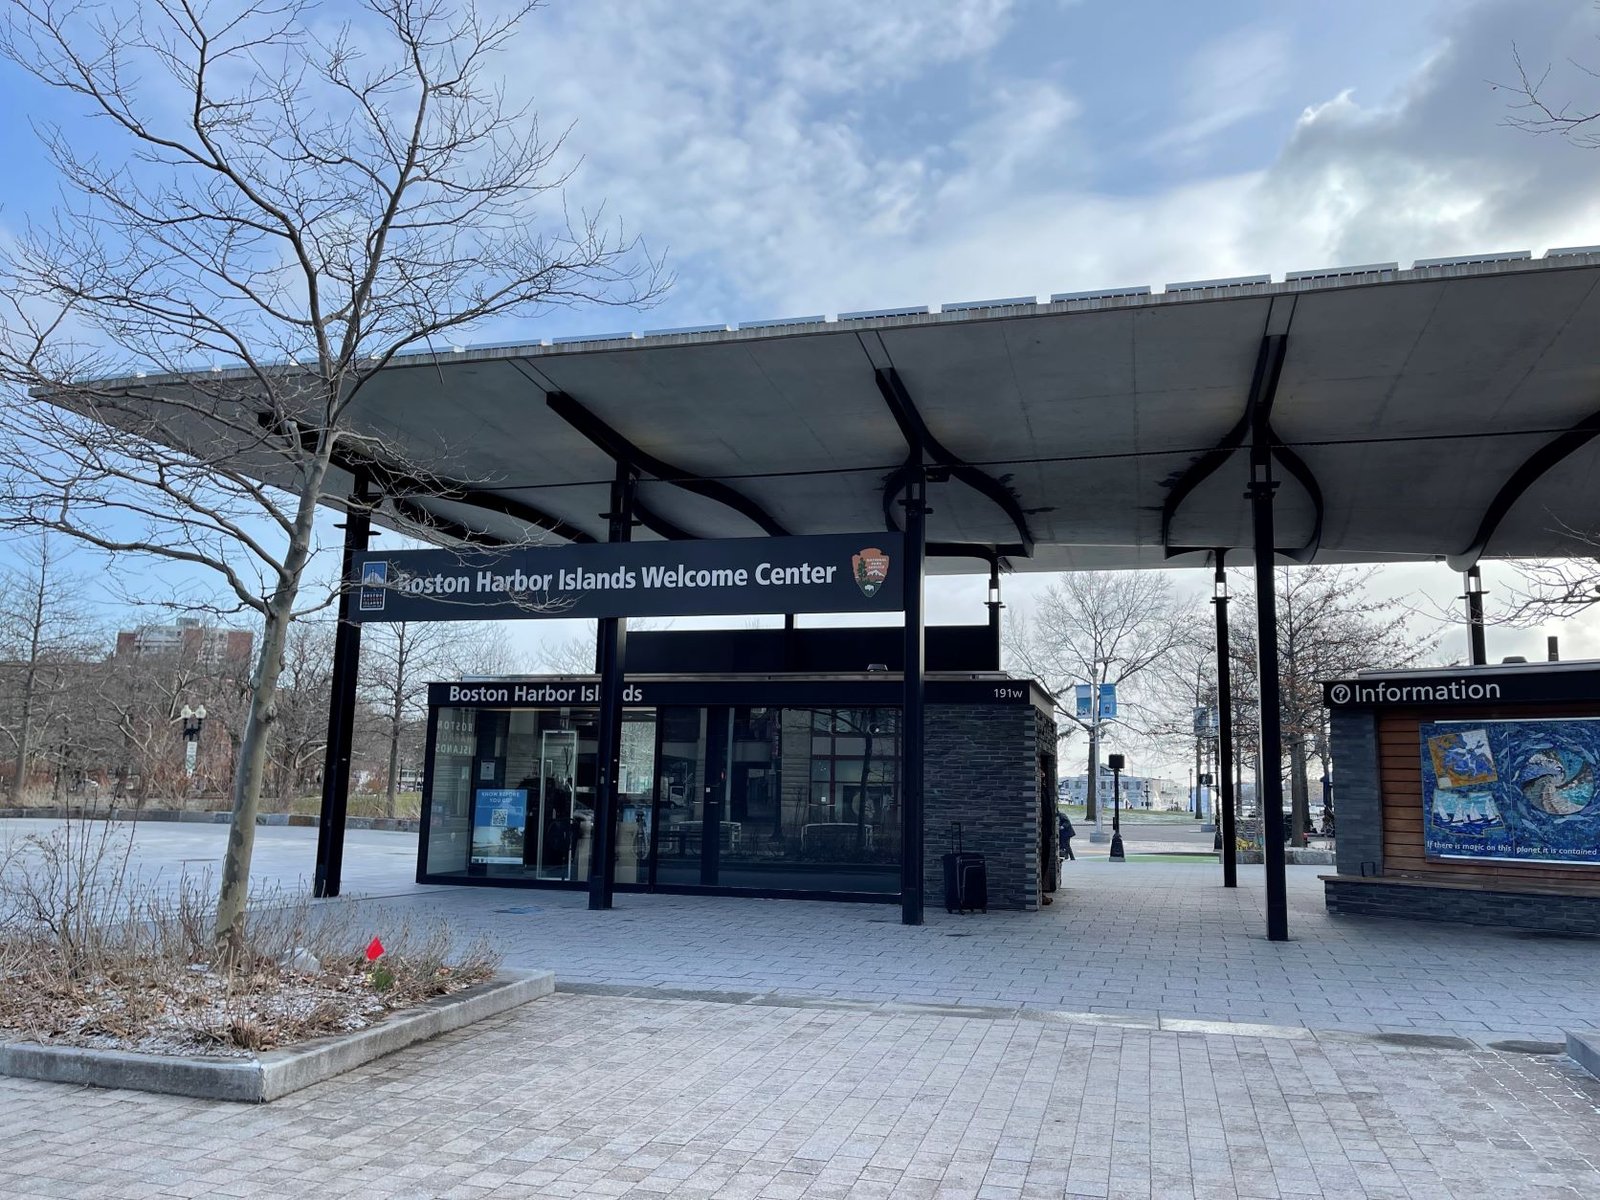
[781,1050]
[1136,940]
[583,1096]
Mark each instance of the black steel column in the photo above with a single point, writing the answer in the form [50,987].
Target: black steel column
[1480,652]
[342,696]
[1269,777]
[611,651]
[911,730]
[1230,852]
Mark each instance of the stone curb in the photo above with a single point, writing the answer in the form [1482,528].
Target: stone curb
[1584,1049]
[274,1073]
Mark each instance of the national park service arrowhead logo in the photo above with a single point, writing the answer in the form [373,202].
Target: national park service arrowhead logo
[871,570]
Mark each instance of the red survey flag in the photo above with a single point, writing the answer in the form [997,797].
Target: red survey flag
[374,950]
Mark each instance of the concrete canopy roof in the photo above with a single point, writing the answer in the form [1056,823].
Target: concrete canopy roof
[1441,411]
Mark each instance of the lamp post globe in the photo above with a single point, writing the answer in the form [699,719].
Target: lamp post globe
[1116,762]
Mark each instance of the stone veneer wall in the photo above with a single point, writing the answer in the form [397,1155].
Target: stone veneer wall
[1464,906]
[981,769]
[1358,800]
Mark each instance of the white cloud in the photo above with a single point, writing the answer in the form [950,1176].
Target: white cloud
[1228,80]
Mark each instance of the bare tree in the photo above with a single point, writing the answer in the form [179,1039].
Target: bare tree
[1331,625]
[1096,627]
[301,202]
[1540,106]
[48,637]
[399,660]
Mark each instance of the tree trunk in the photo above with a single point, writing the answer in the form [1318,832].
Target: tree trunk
[1299,803]
[30,685]
[19,784]
[234,891]
[390,804]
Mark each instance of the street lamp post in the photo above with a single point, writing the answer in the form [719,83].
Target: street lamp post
[1116,763]
[1101,675]
[193,719]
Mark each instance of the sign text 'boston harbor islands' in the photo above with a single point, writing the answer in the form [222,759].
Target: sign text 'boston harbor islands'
[850,572]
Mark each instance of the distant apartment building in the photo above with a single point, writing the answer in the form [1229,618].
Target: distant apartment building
[1137,791]
[211,644]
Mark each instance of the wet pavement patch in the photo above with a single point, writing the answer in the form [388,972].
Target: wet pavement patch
[1523,1046]
[1422,1041]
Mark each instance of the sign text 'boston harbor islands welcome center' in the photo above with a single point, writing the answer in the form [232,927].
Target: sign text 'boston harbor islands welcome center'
[850,572]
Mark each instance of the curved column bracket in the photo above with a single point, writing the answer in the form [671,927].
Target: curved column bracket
[422,518]
[921,442]
[394,483]
[1258,407]
[1524,477]
[621,450]
[398,485]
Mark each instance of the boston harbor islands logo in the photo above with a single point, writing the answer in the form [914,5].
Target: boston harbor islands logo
[870,568]
[374,585]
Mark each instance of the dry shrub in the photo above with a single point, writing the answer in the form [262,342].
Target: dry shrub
[92,954]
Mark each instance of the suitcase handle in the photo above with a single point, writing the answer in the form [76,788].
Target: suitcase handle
[955,835]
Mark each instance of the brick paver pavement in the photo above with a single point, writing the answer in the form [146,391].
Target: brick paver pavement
[585,1095]
[1135,940]
[1140,941]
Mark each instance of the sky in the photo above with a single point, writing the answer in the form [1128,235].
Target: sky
[818,157]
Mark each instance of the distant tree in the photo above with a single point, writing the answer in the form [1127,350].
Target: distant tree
[294,202]
[47,639]
[1093,627]
[399,660]
[1331,625]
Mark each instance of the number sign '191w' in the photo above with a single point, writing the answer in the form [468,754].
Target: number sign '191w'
[851,572]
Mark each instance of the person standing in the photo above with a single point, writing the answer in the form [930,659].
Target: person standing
[1067,832]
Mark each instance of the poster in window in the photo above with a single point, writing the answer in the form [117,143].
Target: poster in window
[1513,790]
[499,816]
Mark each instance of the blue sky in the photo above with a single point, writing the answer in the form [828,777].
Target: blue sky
[835,155]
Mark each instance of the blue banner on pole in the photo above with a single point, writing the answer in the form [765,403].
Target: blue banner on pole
[1083,696]
[1108,701]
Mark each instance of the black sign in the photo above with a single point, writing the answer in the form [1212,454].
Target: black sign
[847,572]
[774,693]
[1518,686]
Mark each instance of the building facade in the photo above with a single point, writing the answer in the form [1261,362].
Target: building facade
[190,637]
[784,785]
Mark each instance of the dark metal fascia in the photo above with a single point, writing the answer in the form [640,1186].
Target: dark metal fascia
[621,450]
[920,439]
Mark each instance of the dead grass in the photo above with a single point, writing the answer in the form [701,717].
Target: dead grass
[93,955]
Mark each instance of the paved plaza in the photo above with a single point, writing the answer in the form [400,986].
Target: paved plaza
[584,1095]
[1139,1038]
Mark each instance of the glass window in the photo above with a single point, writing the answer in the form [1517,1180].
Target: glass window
[449,821]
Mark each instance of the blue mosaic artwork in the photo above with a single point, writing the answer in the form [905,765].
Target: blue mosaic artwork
[1522,790]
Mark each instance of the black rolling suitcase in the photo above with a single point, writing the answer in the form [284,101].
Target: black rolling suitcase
[966,878]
